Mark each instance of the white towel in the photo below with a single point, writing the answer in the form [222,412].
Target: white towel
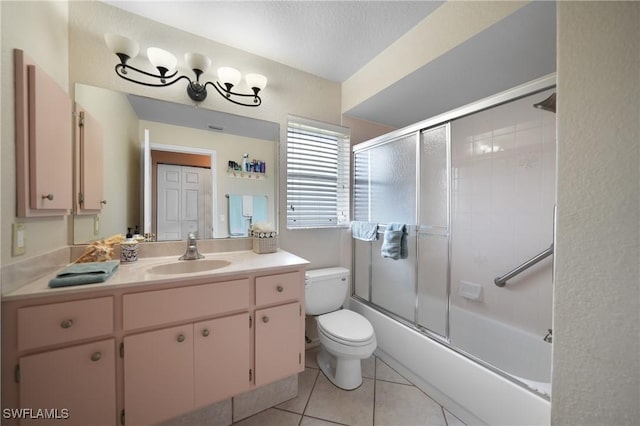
[247,205]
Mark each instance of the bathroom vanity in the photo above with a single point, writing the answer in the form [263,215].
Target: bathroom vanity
[154,341]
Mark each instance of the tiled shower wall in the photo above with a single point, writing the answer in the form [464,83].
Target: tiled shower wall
[503,195]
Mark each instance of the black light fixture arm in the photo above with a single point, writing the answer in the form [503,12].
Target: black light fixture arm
[227,94]
[197,91]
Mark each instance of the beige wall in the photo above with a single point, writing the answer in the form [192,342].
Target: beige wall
[363,130]
[40,30]
[121,164]
[596,364]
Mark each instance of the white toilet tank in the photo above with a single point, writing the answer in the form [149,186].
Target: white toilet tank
[325,289]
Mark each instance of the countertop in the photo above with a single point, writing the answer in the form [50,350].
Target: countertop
[137,273]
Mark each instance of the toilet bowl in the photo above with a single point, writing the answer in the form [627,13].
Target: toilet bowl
[346,337]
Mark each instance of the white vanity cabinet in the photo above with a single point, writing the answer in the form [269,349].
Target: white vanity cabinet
[141,354]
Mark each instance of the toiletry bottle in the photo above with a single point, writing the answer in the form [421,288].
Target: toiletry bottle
[245,162]
[129,234]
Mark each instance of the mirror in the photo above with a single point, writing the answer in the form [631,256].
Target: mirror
[153,153]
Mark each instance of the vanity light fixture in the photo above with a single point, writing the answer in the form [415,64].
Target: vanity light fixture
[126,48]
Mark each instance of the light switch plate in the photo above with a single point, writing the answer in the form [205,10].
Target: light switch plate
[96,225]
[19,240]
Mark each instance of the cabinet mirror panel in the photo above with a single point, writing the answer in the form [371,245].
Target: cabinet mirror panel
[170,169]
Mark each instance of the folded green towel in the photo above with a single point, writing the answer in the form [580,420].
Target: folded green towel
[84,273]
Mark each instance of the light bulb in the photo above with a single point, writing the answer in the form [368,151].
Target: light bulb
[229,76]
[162,59]
[197,61]
[121,45]
[258,81]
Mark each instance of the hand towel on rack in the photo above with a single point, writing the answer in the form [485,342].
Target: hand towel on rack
[394,244]
[84,273]
[259,208]
[365,231]
[237,223]
[247,205]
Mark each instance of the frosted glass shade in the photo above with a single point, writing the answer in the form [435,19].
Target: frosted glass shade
[122,45]
[197,61]
[228,75]
[256,80]
[160,58]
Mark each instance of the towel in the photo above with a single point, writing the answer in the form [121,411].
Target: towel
[259,209]
[394,245]
[84,273]
[365,231]
[247,205]
[238,220]
[237,223]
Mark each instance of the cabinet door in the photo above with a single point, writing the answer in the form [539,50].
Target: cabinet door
[90,199]
[278,342]
[50,143]
[81,379]
[221,358]
[158,375]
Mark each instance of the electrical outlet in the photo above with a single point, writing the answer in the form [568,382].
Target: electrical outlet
[19,240]
[96,225]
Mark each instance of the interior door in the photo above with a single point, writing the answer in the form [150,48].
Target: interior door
[181,201]
[169,202]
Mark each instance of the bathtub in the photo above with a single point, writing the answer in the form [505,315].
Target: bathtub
[472,392]
[524,356]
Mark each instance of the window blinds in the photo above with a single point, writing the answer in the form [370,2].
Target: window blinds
[317,174]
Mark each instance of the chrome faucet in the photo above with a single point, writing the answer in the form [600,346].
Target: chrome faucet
[192,249]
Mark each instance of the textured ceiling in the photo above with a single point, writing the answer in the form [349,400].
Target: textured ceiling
[334,39]
[330,39]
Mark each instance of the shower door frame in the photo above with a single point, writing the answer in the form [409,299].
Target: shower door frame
[531,88]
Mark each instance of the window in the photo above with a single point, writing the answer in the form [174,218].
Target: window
[317,174]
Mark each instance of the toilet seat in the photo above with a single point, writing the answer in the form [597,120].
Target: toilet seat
[346,327]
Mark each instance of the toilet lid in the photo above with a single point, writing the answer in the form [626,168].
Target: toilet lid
[346,325]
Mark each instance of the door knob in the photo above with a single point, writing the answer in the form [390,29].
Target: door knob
[48,197]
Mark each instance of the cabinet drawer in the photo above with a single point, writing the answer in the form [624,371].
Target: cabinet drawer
[64,322]
[181,304]
[278,288]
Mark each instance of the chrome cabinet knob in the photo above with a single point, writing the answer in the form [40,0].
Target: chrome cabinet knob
[103,201]
[205,332]
[181,338]
[265,319]
[48,197]
[66,323]
[96,356]
[280,289]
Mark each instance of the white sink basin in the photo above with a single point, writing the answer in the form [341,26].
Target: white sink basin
[188,266]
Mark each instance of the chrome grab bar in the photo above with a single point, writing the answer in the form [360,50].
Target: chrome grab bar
[501,281]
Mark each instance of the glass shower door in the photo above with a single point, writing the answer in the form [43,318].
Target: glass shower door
[433,232]
[385,192]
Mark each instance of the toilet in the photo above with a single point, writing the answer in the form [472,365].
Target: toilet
[346,337]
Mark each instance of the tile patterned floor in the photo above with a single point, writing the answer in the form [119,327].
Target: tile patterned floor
[384,399]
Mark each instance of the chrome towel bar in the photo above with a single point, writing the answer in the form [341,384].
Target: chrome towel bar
[501,281]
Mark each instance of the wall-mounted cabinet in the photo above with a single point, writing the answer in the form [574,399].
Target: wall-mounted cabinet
[89,152]
[43,142]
